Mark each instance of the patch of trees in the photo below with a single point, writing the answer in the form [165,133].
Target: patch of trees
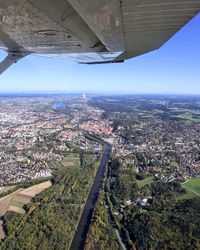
[177,227]
[140,176]
[164,223]
[101,235]
[29,183]
[122,184]
[50,220]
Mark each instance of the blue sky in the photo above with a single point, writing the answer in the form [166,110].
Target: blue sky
[173,69]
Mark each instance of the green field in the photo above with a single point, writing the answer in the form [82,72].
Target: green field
[71,160]
[144,182]
[188,195]
[189,117]
[193,185]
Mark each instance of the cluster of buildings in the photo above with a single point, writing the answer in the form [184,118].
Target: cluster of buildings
[157,143]
[98,127]
[33,133]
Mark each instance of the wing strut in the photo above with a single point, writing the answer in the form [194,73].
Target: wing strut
[11,58]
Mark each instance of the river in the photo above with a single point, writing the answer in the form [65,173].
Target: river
[84,223]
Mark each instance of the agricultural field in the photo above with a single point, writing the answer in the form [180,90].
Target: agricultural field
[6,201]
[15,201]
[36,189]
[193,185]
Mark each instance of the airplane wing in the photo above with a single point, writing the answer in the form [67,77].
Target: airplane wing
[90,31]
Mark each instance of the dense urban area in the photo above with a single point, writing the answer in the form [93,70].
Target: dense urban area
[149,197]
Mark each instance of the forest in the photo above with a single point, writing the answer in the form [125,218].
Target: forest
[51,218]
[166,222]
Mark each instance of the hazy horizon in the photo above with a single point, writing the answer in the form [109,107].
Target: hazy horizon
[98,93]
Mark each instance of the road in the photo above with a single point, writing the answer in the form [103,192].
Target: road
[84,223]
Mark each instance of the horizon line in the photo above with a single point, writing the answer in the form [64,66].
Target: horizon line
[61,92]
